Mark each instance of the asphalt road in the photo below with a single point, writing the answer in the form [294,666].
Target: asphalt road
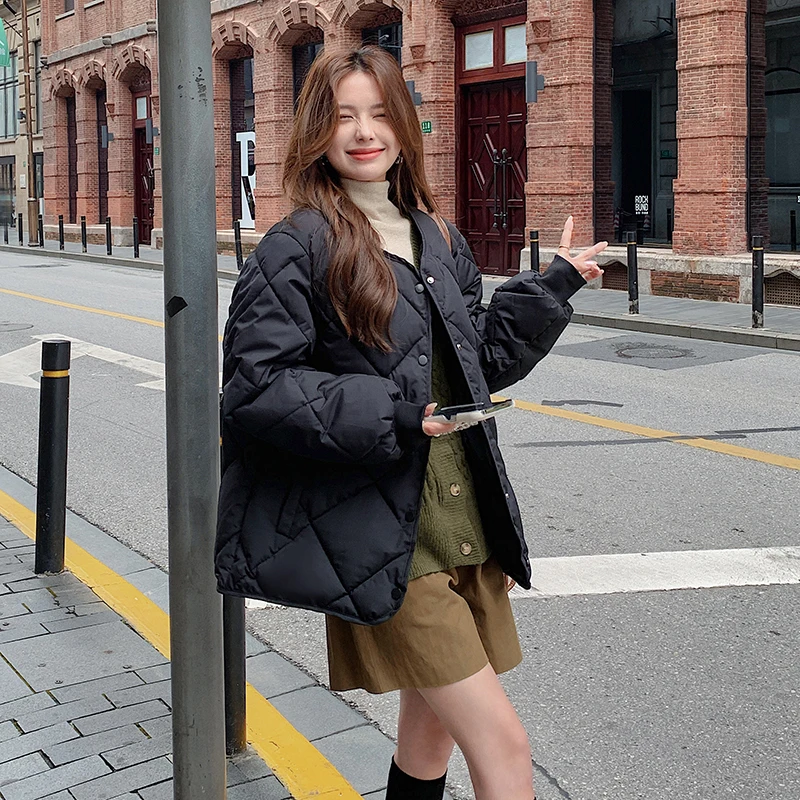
[644,688]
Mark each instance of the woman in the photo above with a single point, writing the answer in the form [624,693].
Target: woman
[352,319]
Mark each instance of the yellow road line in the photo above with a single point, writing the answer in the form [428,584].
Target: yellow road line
[299,766]
[652,433]
[144,320]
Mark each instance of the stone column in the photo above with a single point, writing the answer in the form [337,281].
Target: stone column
[711,188]
[428,59]
[759,182]
[560,131]
[120,154]
[88,180]
[603,121]
[274,113]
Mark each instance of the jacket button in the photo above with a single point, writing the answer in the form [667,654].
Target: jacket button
[396,593]
[466,548]
[423,360]
[410,516]
[455,489]
[458,346]
[419,288]
[430,279]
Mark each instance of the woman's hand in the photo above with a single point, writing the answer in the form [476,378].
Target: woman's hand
[584,262]
[435,428]
[510,583]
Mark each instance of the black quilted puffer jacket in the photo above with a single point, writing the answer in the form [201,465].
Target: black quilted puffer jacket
[324,456]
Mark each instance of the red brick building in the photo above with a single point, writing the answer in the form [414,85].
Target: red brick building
[680,120]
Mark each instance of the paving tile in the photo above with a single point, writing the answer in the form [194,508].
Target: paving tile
[93,745]
[234,775]
[272,675]
[262,789]
[13,577]
[161,791]
[362,755]
[139,694]
[74,621]
[155,727]
[125,780]
[11,685]
[315,712]
[62,580]
[250,764]
[121,716]
[8,730]
[37,600]
[121,680]
[54,780]
[38,740]
[72,595]
[254,647]
[140,751]
[19,628]
[66,712]
[161,672]
[24,705]
[19,768]
[74,656]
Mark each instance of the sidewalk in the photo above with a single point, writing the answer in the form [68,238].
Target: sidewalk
[85,699]
[671,316]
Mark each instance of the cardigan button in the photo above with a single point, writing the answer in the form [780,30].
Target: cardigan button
[430,279]
[466,548]
[419,288]
[423,360]
[455,489]
[397,593]
[458,346]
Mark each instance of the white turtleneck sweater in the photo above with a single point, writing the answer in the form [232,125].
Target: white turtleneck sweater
[372,197]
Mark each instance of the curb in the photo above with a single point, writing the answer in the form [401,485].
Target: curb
[99,258]
[714,333]
[775,340]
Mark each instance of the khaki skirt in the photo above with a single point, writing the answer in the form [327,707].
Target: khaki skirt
[450,626]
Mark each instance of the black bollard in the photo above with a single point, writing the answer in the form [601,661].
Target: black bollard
[758,281]
[20,232]
[234,654]
[536,265]
[108,236]
[60,231]
[41,231]
[84,246]
[136,237]
[237,238]
[51,482]
[670,225]
[5,233]
[633,274]
[793,229]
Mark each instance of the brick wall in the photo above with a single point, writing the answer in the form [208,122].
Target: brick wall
[695,285]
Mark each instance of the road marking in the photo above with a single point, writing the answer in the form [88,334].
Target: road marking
[17,366]
[299,766]
[156,323]
[786,462]
[659,572]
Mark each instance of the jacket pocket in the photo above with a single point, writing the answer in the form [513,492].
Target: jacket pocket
[288,511]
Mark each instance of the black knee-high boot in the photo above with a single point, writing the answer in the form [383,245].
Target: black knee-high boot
[404,787]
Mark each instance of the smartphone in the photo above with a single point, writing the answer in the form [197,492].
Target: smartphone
[471,414]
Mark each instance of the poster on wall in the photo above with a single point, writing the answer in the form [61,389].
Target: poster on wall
[247,162]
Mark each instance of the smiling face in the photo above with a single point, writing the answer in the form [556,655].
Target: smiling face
[364,146]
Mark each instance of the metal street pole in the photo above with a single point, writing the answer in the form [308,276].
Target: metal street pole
[192,382]
[33,211]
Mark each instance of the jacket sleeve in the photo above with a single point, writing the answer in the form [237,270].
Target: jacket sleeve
[525,316]
[272,392]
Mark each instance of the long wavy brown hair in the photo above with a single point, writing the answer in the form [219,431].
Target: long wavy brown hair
[361,283]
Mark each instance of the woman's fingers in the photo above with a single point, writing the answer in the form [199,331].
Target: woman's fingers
[592,251]
[566,236]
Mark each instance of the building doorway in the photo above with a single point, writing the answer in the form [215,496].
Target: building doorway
[492,156]
[493,173]
[72,159]
[144,176]
[635,115]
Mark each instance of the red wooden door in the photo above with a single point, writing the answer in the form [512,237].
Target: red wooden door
[144,184]
[492,173]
